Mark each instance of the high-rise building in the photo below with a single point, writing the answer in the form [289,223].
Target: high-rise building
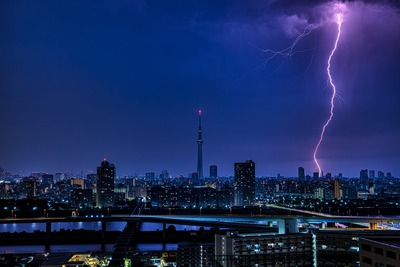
[381,175]
[59,176]
[91,179]
[245,180]
[336,189]
[77,183]
[364,176]
[82,197]
[105,184]
[315,175]
[164,175]
[213,171]
[371,174]
[389,175]
[301,174]
[150,176]
[47,179]
[28,187]
[200,150]
[319,193]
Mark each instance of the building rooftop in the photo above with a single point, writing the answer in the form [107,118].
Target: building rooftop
[394,242]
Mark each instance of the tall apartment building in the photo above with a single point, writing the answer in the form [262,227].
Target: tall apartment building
[245,180]
[105,184]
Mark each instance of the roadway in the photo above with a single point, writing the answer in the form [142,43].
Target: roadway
[225,221]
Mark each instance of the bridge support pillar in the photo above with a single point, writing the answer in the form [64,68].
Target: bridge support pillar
[373,226]
[164,232]
[103,230]
[291,226]
[281,227]
[287,226]
[48,231]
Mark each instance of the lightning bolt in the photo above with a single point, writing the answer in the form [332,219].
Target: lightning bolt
[288,51]
[328,70]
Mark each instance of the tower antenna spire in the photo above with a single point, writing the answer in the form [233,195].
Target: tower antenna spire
[200,150]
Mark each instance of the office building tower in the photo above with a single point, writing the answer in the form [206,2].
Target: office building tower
[319,193]
[301,174]
[328,175]
[82,197]
[371,174]
[200,150]
[27,187]
[381,175]
[105,184]
[47,179]
[77,183]
[315,175]
[164,175]
[364,176]
[245,180]
[389,175]
[91,180]
[349,192]
[150,176]
[213,171]
[59,176]
[130,181]
[337,194]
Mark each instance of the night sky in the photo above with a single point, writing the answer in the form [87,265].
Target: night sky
[83,80]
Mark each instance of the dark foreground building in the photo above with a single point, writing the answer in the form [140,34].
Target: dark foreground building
[380,252]
[256,249]
[195,254]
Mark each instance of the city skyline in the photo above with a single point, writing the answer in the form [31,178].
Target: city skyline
[83,81]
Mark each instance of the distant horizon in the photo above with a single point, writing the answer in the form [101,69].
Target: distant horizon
[206,172]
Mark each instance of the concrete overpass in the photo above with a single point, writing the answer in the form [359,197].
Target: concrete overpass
[283,223]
